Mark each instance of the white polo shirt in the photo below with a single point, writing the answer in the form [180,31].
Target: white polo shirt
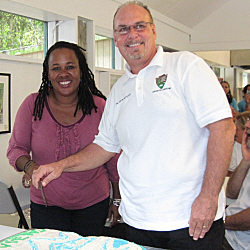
[158,119]
[236,156]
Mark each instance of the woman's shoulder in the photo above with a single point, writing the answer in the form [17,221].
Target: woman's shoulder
[241,102]
[99,101]
[31,97]
[29,100]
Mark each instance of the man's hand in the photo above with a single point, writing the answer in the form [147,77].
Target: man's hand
[202,216]
[245,145]
[46,173]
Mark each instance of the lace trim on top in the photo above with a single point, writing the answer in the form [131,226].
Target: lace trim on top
[63,134]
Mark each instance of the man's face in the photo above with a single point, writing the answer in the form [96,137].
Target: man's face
[137,47]
[238,133]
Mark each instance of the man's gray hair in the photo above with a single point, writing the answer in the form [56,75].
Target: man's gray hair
[136,3]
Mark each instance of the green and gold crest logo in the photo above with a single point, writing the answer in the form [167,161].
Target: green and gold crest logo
[161,80]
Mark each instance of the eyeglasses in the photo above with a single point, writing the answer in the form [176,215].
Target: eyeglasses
[124,29]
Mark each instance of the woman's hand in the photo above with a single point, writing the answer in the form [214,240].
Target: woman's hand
[27,177]
[113,215]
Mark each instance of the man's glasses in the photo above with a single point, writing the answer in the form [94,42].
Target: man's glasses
[123,29]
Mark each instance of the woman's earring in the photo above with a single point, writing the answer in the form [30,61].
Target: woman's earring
[50,85]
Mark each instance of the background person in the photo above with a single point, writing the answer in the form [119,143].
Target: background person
[226,87]
[171,118]
[244,104]
[236,158]
[59,121]
[237,221]
[233,104]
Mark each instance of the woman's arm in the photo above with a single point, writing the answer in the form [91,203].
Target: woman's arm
[20,141]
[113,213]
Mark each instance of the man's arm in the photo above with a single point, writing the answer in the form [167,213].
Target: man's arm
[88,158]
[235,181]
[239,221]
[219,150]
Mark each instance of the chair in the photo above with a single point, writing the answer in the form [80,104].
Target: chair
[10,204]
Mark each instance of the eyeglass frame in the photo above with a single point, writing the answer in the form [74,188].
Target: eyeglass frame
[134,27]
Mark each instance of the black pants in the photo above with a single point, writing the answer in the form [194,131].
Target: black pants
[86,222]
[226,245]
[178,239]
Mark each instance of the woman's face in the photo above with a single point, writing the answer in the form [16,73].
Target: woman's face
[225,87]
[238,133]
[64,72]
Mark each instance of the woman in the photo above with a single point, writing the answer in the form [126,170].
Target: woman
[57,122]
[226,87]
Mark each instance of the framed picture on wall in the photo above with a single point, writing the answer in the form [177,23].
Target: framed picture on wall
[4,103]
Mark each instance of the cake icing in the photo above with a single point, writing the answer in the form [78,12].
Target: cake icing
[47,239]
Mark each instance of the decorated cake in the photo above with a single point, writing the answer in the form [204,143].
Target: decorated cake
[47,239]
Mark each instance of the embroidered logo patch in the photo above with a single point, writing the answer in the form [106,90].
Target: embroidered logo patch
[161,80]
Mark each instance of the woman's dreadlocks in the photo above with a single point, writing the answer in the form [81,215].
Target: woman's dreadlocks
[87,87]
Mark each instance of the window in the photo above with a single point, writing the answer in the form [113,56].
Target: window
[245,79]
[103,52]
[106,54]
[22,36]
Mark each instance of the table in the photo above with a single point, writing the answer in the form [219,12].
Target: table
[153,248]
[6,231]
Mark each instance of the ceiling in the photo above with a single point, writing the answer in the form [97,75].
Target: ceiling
[186,12]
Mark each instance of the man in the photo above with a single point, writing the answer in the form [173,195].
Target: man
[170,117]
[237,222]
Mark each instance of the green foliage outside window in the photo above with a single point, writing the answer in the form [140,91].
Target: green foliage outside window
[20,35]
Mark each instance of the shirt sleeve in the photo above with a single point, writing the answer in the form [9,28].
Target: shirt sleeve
[203,93]
[234,162]
[107,137]
[20,141]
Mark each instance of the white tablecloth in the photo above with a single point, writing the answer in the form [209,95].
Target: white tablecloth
[6,231]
